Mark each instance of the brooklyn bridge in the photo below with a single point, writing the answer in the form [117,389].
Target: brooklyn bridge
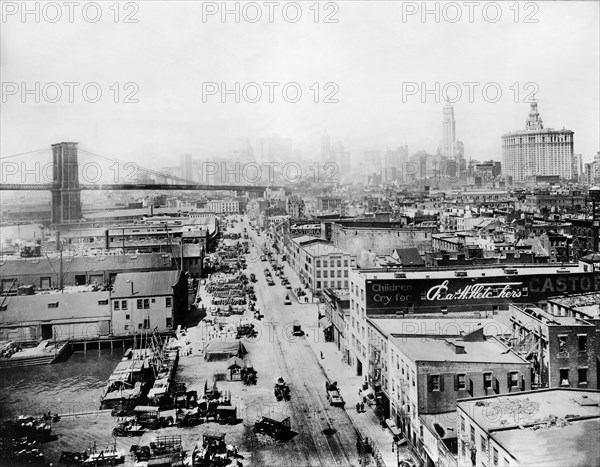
[65,187]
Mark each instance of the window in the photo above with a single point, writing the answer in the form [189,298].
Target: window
[318,263]
[582,375]
[318,284]
[103,302]
[562,344]
[146,303]
[168,302]
[339,263]
[473,435]
[564,376]
[461,382]
[464,449]
[169,323]
[147,323]
[127,316]
[331,263]
[140,304]
[324,273]
[435,382]
[53,305]
[325,283]
[462,423]
[123,304]
[483,444]
[345,273]
[318,274]
[582,343]
[495,456]
[487,381]
[413,379]
[513,379]
[153,300]
[116,304]
[345,263]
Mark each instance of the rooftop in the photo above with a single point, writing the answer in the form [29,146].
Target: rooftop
[559,422]
[422,349]
[476,272]
[145,284]
[438,326]
[54,306]
[587,304]
[89,262]
[323,248]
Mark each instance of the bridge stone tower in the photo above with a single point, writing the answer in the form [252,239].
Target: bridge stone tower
[66,192]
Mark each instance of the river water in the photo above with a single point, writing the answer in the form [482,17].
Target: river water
[71,386]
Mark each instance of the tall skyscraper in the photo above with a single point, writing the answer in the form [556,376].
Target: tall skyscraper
[325,147]
[537,150]
[185,167]
[448,132]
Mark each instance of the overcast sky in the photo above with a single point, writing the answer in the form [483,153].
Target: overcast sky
[369,53]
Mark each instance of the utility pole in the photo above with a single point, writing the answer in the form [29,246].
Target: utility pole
[60,263]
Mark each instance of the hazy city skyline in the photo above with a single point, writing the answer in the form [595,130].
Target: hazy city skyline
[371,70]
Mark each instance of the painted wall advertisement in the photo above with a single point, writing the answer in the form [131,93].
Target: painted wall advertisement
[299,228]
[400,294]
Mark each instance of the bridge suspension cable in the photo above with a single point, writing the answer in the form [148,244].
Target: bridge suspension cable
[23,153]
[143,169]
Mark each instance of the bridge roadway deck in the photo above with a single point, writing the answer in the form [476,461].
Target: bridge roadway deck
[136,186]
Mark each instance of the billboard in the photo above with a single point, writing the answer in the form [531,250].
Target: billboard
[305,227]
[391,295]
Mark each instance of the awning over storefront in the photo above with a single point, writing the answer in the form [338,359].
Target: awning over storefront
[392,426]
[325,322]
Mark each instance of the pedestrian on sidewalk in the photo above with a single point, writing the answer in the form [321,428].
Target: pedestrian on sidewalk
[322,355]
[362,407]
[358,407]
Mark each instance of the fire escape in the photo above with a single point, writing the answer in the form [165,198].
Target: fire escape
[375,380]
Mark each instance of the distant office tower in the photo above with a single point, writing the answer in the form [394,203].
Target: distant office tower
[185,167]
[577,167]
[537,151]
[394,162]
[460,156]
[273,149]
[337,152]
[449,132]
[325,147]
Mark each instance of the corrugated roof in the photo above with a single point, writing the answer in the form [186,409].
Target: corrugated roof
[81,305]
[145,284]
[51,265]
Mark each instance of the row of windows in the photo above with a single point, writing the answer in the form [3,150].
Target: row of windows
[332,263]
[339,273]
[141,303]
[436,382]
[340,284]
[582,376]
